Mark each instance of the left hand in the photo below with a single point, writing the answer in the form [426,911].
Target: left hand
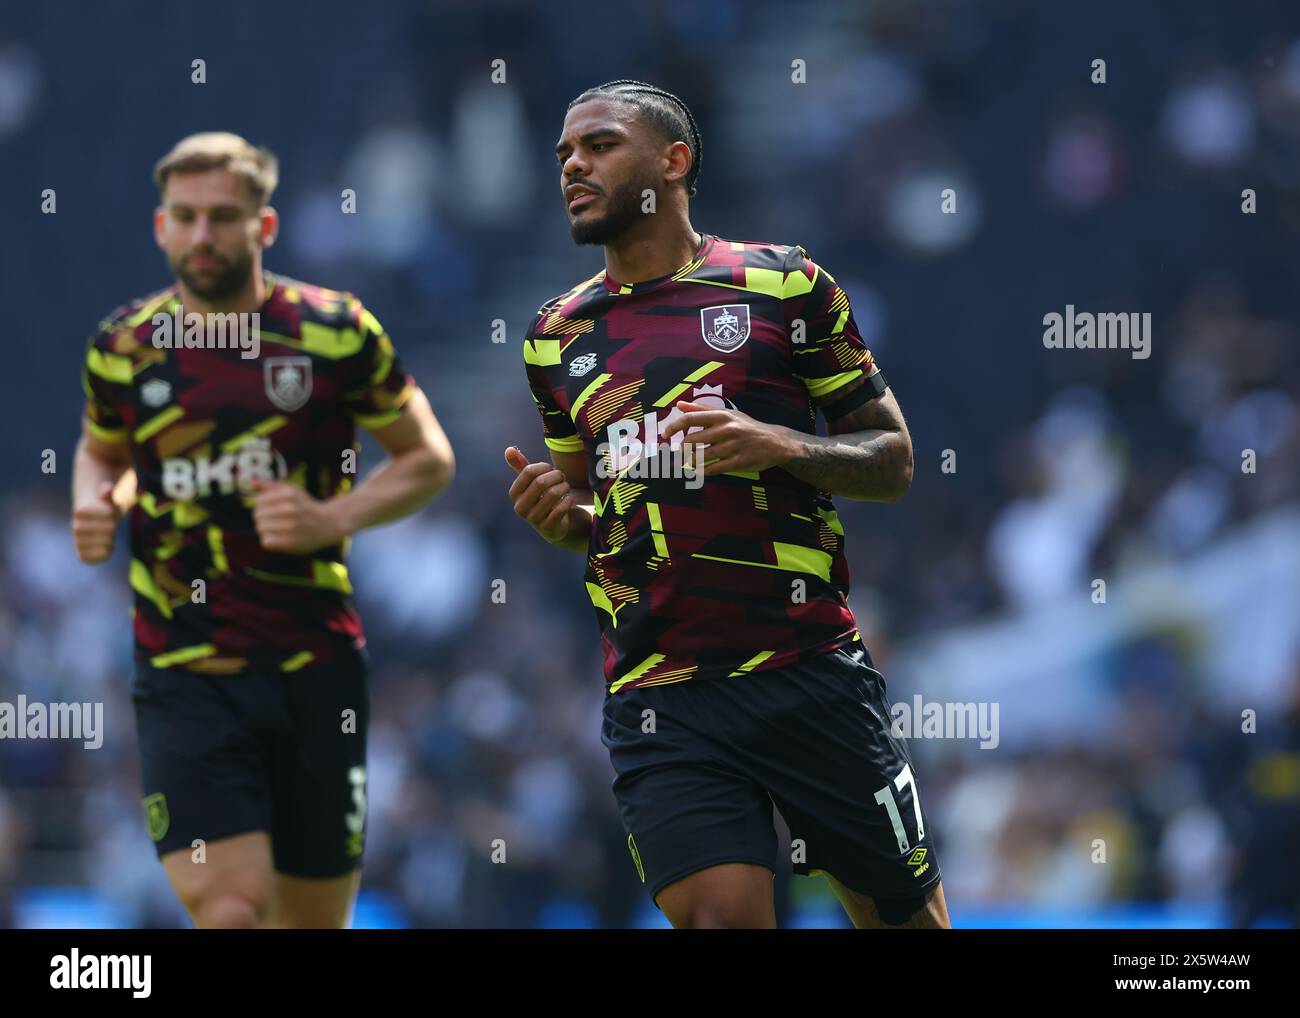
[290,520]
[735,441]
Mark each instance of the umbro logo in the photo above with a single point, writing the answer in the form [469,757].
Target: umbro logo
[156,391]
[581,365]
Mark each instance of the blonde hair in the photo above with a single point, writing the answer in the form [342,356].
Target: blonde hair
[215,150]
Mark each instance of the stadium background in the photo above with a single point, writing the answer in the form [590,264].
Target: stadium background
[1119,721]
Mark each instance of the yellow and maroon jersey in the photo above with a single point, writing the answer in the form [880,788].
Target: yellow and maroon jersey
[744,571]
[202,424]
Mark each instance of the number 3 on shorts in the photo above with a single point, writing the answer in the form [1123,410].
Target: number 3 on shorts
[356,820]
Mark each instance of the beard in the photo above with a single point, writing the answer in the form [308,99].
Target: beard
[623,210]
[230,276]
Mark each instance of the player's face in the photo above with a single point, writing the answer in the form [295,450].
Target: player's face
[605,152]
[211,231]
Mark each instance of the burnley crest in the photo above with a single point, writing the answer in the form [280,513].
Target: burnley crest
[725,326]
[288,381]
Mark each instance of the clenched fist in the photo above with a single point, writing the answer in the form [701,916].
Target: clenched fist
[542,496]
[288,519]
[94,526]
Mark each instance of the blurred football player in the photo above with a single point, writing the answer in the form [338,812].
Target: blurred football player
[228,406]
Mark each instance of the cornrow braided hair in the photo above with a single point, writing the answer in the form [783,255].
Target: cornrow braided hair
[663,109]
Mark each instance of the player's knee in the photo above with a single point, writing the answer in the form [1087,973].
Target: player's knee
[897,911]
[285,916]
[918,911]
[717,912]
[227,911]
[721,917]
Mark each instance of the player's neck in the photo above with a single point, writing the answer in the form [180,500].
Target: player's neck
[248,300]
[659,249]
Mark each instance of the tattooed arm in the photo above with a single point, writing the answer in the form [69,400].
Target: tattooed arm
[867,455]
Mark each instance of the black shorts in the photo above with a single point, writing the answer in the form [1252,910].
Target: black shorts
[262,750]
[812,738]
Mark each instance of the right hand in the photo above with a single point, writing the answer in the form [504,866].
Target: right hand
[542,496]
[94,526]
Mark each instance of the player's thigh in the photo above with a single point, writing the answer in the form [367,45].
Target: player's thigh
[317,904]
[224,883]
[686,808]
[843,780]
[207,793]
[729,896]
[922,911]
[319,776]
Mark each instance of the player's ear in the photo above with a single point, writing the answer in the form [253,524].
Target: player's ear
[269,225]
[679,161]
[159,225]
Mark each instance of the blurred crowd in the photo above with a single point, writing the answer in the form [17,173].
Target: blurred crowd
[1124,195]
